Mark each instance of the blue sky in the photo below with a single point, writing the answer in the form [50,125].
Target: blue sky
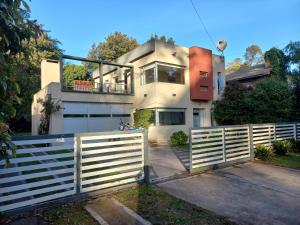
[78,23]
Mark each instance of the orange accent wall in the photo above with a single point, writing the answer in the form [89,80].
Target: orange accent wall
[201,88]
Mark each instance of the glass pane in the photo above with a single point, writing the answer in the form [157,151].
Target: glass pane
[149,76]
[171,118]
[170,74]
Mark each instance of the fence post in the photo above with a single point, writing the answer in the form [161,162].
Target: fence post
[146,157]
[78,162]
[274,131]
[251,147]
[295,130]
[191,150]
[224,143]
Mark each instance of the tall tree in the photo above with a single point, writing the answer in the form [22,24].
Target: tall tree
[292,51]
[115,45]
[253,55]
[234,65]
[15,27]
[28,78]
[74,72]
[278,62]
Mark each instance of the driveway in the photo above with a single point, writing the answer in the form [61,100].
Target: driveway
[167,162]
[250,193]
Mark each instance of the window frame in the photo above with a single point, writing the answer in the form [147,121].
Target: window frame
[155,66]
[158,110]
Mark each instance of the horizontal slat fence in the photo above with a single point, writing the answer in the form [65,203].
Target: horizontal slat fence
[55,166]
[211,146]
[215,145]
[207,147]
[43,170]
[298,131]
[237,143]
[109,160]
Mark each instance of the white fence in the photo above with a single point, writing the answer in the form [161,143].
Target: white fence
[56,166]
[219,145]
[210,146]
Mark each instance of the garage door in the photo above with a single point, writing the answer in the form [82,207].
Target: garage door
[91,117]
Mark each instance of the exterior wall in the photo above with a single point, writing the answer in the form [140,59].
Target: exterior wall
[201,88]
[56,120]
[218,66]
[50,72]
[153,95]
[161,95]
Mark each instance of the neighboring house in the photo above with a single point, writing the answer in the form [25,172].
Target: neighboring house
[178,83]
[248,75]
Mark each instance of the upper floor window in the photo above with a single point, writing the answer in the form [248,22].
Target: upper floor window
[159,72]
[170,74]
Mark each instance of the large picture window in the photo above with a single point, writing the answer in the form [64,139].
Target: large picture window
[170,117]
[158,72]
[170,74]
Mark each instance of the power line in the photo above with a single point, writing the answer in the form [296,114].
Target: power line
[205,29]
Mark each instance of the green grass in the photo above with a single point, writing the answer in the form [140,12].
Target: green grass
[291,160]
[159,207]
[69,214]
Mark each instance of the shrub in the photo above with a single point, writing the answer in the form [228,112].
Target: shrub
[295,145]
[143,118]
[179,138]
[282,147]
[262,152]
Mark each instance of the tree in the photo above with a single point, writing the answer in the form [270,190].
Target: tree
[115,45]
[34,50]
[231,108]
[292,51]
[270,101]
[15,27]
[234,65]
[253,55]
[169,41]
[75,72]
[278,63]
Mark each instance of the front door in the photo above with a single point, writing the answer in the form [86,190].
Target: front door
[198,119]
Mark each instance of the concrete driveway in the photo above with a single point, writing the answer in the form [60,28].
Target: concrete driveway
[167,162]
[250,193]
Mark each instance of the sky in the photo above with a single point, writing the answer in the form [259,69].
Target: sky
[77,24]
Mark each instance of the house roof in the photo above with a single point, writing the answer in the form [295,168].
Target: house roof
[248,72]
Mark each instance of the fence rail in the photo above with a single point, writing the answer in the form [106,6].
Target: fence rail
[219,145]
[56,166]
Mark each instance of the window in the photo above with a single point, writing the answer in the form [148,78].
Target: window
[158,72]
[148,76]
[170,74]
[203,74]
[170,117]
[219,82]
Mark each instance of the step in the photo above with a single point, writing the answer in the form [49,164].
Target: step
[109,211]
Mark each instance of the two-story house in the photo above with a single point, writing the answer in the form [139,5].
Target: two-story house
[178,83]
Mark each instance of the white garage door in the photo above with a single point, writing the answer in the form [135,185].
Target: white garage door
[91,117]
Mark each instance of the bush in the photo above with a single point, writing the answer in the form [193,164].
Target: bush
[262,152]
[143,118]
[295,145]
[179,138]
[282,147]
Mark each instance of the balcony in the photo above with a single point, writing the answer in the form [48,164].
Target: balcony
[92,76]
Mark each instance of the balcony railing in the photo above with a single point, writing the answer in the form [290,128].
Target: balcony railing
[95,87]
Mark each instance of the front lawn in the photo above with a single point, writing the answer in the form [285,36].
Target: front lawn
[159,207]
[69,214]
[291,160]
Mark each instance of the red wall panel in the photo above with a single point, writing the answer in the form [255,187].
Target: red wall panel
[200,59]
